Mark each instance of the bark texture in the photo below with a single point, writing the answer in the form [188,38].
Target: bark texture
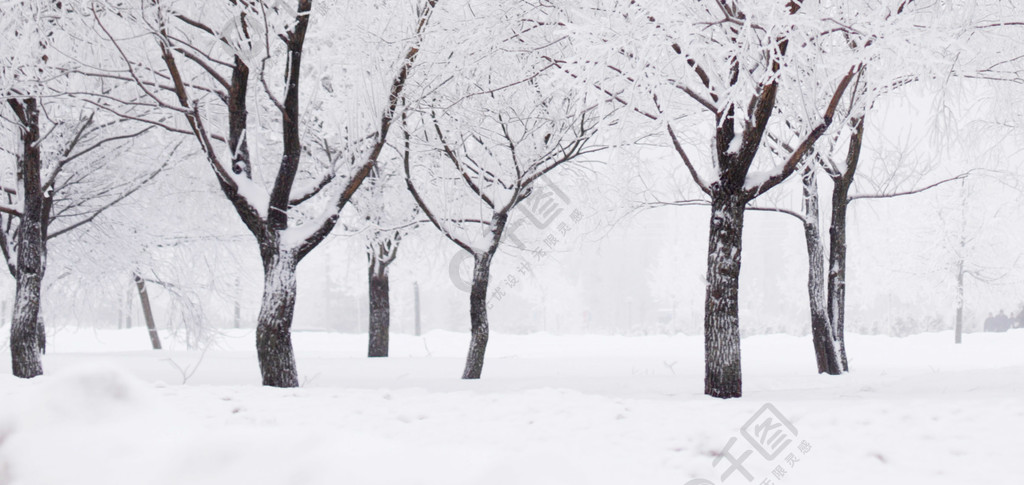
[722,371]
[837,241]
[837,266]
[26,360]
[826,352]
[479,330]
[30,239]
[380,307]
[274,325]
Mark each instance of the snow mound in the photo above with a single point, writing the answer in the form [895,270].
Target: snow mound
[72,414]
[551,410]
[90,393]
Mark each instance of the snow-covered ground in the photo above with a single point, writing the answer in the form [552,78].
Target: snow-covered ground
[549,410]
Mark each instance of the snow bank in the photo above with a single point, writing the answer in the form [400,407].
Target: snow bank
[549,410]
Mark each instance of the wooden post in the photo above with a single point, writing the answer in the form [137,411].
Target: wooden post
[147,311]
[128,311]
[416,306]
[238,309]
[120,312]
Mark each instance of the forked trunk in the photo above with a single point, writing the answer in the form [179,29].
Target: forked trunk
[823,333]
[380,307]
[273,329]
[837,240]
[722,372]
[479,330]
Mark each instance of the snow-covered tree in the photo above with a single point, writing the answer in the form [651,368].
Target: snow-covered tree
[233,71]
[388,215]
[909,44]
[502,119]
[64,162]
[727,61]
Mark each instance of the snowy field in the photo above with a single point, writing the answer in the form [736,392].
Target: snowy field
[549,410]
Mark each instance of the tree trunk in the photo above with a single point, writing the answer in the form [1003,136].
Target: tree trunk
[479,331]
[238,305]
[128,313]
[837,240]
[380,307]
[26,361]
[960,272]
[147,312]
[416,307]
[823,334]
[837,267]
[273,328]
[722,372]
[958,332]
[30,241]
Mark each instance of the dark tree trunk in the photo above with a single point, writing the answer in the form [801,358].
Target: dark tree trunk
[837,267]
[823,334]
[30,240]
[147,312]
[273,328]
[722,372]
[26,361]
[837,241]
[41,334]
[479,331]
[380,307]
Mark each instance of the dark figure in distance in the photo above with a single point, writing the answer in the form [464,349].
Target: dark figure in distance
[998,323]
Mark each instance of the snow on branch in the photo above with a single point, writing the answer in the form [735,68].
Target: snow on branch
[757,184]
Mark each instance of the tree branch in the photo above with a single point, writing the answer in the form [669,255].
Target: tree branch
[808,142]
[686,160]
[891,195]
